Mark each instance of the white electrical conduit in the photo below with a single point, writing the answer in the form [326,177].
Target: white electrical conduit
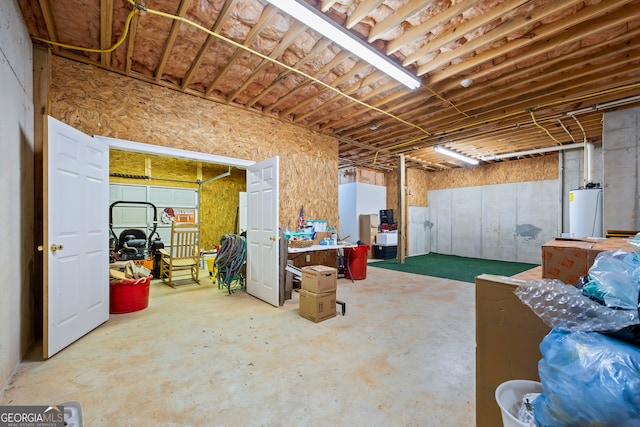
[535,151]
[588,155]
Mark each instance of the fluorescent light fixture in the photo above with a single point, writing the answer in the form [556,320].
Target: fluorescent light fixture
[455,155]
[312,18]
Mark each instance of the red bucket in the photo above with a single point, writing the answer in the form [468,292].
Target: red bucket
[357,262]
[129,295]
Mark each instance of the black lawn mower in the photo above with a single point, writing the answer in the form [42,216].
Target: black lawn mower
[133,244]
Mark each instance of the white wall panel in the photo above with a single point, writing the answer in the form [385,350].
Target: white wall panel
[441,207]
[508,222]
[621,168]
[16,191]
[498,222]
[419,236]
[537,218]
[347,212]
[355,199]
[466,221]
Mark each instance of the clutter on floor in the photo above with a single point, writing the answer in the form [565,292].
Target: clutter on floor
[128,287]
[567,259]
[124,270]
[589,368]
[508,337]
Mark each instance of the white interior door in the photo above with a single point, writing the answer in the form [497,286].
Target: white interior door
[76,241]
[262,230]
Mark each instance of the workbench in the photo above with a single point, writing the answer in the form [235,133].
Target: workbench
[329,255]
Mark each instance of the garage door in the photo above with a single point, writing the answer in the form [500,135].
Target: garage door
[172,203]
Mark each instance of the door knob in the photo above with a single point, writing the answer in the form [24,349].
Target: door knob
[40,248]
[55,248]
[274,238]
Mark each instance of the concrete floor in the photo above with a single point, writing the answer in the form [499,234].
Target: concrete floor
[403,355]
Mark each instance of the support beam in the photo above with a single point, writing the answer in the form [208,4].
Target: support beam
[402,212]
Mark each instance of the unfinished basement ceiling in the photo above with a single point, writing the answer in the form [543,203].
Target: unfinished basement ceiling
[541,72]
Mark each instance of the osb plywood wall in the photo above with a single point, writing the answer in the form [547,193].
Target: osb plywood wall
[356,174]
[219,198]
[154,167]
[219,203]
[420,182]
[98,102]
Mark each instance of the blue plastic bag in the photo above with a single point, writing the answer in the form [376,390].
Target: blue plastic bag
[588,379]
[615,279]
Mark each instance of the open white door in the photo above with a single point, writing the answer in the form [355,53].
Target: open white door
[262,230]
[76,241]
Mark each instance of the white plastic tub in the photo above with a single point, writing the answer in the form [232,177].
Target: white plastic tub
[509,396]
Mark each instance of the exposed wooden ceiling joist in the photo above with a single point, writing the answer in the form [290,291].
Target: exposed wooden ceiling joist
[529,64]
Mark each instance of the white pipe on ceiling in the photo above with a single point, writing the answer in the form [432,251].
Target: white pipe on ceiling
[535,151]
[588,156]
[605,105]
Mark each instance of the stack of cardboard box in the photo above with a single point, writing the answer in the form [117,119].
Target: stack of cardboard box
[318,293]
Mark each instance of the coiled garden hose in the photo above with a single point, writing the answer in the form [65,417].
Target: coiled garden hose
[230,259]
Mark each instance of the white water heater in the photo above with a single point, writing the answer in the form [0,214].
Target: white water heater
[585,212]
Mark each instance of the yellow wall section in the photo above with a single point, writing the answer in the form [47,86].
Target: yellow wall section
[98,102]
[219,199]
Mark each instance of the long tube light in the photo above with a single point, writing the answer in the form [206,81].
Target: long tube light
[312,18]
[456,155]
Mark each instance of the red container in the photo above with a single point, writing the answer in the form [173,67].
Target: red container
[129,295]
[357,262]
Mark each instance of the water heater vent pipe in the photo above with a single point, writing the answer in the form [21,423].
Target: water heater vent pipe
[588,164]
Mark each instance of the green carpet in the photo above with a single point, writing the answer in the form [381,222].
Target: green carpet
[453,267]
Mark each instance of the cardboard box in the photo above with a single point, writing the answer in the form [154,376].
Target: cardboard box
[317,306]
[508,336]
[319,278]
[568,259]
[368,231]
[321,235]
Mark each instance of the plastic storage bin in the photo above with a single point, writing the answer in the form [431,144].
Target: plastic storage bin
[126,296]
[385,251]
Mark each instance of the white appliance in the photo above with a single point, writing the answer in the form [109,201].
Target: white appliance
[585,212]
